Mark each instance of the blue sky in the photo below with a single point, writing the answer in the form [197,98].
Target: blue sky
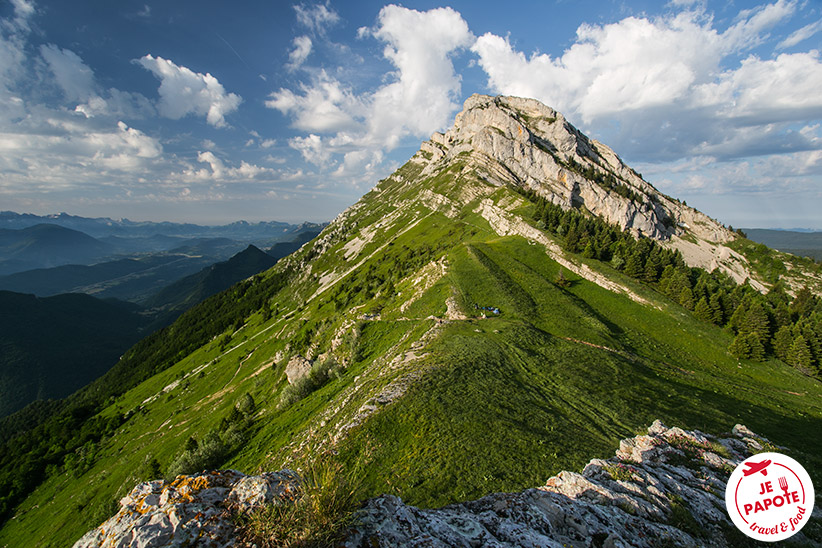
[209,112]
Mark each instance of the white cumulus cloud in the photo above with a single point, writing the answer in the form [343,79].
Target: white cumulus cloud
[219,172]
[73,76]
[423,96]
[324,105]
[312,149]
[418,97]
[673,85]
[316,18]
[183,91]
[301,51]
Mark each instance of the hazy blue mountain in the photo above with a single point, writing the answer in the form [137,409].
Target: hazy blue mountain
[48,259]
[144,244]
[47,245]
[50,347]
[804,244]
[222,248]
[184,293]
[130,279]
[124,228]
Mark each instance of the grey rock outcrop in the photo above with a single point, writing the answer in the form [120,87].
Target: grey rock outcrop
[190,511]
[665,488]
[522,143]
[512,140]
[297,368]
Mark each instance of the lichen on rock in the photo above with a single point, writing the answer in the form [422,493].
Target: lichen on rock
[191,510]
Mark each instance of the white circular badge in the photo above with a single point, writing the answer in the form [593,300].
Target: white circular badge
[769,497]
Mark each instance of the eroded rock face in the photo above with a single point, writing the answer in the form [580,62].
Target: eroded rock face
[297,368]
[512,140]
[190,511]
[665,488]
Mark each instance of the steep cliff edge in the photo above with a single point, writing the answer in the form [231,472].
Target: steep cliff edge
[665,488]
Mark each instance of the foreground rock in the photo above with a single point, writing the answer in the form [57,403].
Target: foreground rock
[190,511]
[665,488]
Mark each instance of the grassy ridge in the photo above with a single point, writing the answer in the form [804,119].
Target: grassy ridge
[499,404]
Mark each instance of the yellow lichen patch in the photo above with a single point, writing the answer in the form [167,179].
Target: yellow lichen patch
[141,507]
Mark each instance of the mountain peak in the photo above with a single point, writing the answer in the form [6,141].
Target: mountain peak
[526,144]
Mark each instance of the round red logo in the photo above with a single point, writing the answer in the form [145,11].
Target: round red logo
[769,497]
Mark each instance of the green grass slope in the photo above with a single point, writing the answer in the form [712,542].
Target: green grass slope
[442,403]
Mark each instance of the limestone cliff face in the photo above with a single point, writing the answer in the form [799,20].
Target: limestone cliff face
[665,488]
[511,140]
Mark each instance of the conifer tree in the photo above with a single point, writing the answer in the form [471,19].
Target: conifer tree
[737,320]
[740,347]
[572,240]
[804,303]
[702,310]
[686,298]
[666,277]
[799,355]
[757,346]
[782,342]
[756,321]
[652,268]
[634,266]
[717,311]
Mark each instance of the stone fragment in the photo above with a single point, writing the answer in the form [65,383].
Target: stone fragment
[297,368]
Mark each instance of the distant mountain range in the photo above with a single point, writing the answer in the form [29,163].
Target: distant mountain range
[61,339]
[49,259]
[104,227]
[802,243]
[46,245]
[172,300]
[29,242]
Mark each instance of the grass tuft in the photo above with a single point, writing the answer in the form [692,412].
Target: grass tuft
[318,516]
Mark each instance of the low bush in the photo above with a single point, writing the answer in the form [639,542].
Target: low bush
[319,374]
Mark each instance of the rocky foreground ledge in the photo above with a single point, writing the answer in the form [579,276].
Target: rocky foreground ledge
[665,488]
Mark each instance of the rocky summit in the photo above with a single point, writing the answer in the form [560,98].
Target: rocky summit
[665,488]
[523,143]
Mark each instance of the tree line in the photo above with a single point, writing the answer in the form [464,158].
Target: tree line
[763,325]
